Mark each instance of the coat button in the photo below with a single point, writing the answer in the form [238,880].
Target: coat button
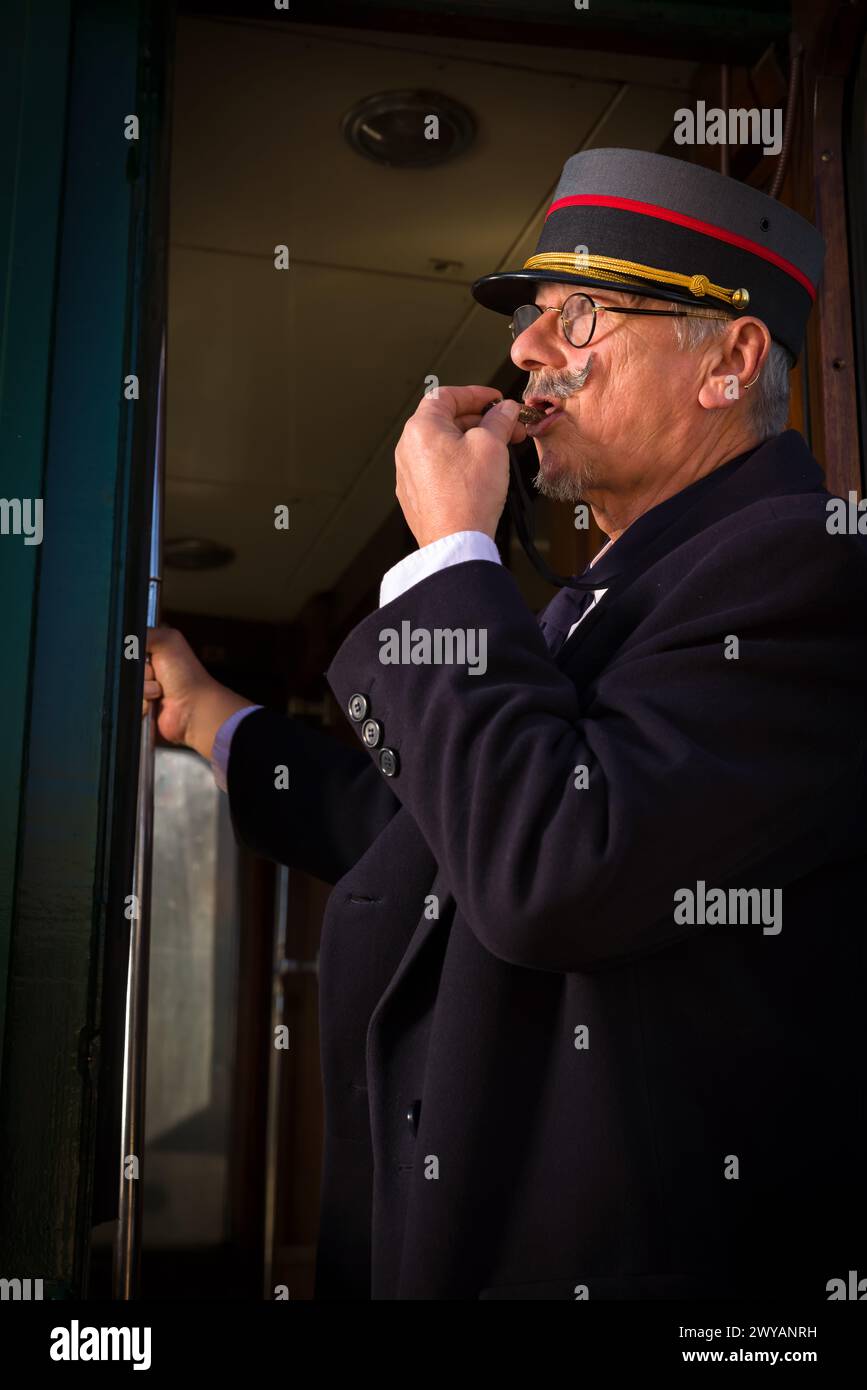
[358,707]
[389,762]
[412,1115]
[371,733]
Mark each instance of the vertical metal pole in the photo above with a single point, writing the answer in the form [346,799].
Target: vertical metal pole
[127,1250]
[283,967]
[278,1017]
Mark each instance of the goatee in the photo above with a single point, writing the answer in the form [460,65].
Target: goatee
[566,486]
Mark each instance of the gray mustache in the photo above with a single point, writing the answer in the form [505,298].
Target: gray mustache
[560,387]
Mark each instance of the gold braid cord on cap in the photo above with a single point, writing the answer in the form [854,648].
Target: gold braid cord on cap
[610,268]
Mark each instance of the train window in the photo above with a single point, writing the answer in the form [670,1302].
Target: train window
[191,1012]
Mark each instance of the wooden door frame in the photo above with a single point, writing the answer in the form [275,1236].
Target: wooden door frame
[832,36]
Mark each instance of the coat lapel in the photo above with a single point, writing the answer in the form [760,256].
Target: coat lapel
[781,467]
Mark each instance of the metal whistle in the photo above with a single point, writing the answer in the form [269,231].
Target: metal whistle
[528,414]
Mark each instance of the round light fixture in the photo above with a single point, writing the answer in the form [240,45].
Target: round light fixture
[196,553]
[397,129]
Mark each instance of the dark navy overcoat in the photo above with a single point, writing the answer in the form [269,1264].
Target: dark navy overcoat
[538,1081]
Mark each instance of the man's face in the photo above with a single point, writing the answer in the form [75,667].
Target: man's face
[621,414]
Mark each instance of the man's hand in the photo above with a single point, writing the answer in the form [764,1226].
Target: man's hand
[452,463]
[192,704]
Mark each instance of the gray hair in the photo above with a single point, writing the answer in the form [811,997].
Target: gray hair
[768,410]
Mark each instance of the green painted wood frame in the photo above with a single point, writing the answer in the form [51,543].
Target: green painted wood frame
[82,255]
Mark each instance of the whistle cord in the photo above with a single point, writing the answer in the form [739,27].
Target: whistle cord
[521,509]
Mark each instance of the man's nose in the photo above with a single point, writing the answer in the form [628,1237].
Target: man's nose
[540,345]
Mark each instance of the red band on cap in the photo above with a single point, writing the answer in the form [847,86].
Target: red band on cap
[693,224]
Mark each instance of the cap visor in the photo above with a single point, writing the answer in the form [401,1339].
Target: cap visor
[505,291]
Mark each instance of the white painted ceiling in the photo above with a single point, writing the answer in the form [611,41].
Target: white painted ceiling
[292,386]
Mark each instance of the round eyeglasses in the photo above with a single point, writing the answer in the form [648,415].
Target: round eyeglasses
[578,316]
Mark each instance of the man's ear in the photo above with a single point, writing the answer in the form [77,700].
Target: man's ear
[734,363]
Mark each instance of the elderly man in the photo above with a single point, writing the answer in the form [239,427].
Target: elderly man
[592,967]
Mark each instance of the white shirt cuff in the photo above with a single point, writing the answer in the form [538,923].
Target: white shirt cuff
[448,550]
[223,744]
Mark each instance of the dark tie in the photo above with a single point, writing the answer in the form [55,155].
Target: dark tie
[562,613]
